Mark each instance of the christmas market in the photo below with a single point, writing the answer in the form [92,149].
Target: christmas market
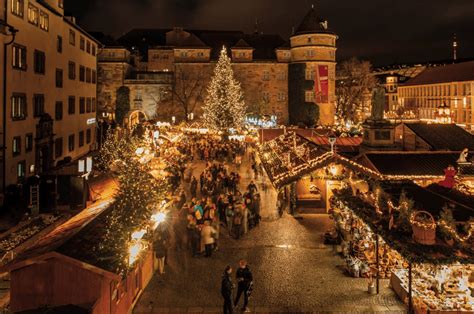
[218,157]
[385,225]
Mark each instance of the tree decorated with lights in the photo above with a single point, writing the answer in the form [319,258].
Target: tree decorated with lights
[224,107]
[138,196]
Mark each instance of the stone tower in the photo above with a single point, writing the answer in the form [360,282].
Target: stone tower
[312,70]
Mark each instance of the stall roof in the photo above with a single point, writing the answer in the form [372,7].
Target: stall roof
[291,156]
[411,164]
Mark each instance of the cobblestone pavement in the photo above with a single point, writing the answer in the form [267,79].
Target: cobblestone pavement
[293,272]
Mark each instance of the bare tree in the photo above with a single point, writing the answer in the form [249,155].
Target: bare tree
[188,90]
[355,80]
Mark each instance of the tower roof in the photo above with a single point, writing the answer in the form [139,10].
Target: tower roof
[312,23]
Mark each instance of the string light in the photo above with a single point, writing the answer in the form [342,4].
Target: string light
[224,107]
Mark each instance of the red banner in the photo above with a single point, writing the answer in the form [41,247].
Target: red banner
[321,84]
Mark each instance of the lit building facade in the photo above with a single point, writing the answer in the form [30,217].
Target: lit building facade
[449,86]
[50,93]
[166,71]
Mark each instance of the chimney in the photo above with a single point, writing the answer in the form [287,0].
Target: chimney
[71,19]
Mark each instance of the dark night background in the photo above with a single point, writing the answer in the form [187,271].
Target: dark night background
[382,31]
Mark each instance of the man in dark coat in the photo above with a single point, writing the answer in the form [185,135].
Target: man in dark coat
[245,282]
[226,290]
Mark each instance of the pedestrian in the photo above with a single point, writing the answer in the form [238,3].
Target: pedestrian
[193,187]
[245,219]
[227,288]
[237,222]
[244,284]
[207,238]
[252,188]
[229,215]
[159,249]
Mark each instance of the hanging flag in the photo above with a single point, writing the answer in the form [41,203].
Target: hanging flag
[321,83]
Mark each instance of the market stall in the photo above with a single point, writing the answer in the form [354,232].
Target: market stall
[428,254]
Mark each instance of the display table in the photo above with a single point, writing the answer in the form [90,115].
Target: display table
[401,290]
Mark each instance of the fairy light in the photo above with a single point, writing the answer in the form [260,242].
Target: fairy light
[157,219]
[454,233]
[224,106]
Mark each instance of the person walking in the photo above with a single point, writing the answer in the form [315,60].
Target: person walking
[244,284]
[193,187]
[160,252]
[227,288]
[237,221]
[207,237]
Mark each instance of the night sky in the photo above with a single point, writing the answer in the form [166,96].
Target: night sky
[382,31]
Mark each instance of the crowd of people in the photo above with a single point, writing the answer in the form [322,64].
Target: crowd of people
[215,201]
[221,203]
[211,147]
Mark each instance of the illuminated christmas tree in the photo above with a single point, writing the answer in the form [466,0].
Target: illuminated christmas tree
[224,106]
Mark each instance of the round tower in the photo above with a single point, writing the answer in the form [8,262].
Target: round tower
[312,70]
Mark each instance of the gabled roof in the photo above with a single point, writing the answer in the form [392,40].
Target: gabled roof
[412,164]
[443,136]
[311,24]
[290,156]
[458,72]
[70,229]
[242,44]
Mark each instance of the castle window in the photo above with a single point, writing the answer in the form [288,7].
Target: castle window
[266,96]
[200,54]
[309,39]
[266,75]
[184,54]
[310,53]
[281,96]
[309,96]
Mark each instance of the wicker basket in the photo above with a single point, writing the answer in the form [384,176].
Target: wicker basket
[424,231]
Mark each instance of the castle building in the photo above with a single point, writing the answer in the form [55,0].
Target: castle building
[49,90]
[161,73]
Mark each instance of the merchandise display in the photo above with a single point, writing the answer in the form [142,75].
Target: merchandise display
[438,288]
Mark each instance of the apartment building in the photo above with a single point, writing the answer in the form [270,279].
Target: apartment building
[50,91]
[447,86]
